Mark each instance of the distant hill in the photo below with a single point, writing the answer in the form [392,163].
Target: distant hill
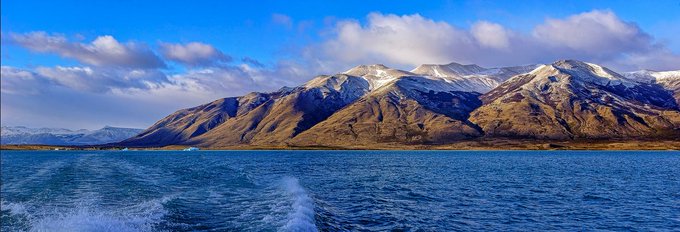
[61,136]
[436,104]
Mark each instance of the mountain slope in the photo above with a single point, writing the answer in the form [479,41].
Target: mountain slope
[183,125]
[273,118]
[432,104]
[281,119]
[670,80]
[571,99]
[406,110]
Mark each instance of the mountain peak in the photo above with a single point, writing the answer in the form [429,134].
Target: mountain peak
[377,75]
[581,66]
[582,71]
[447,70]
[567,63]
[369,104]
[364,69]
[470,67]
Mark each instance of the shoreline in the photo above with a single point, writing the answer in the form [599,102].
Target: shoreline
[467,145]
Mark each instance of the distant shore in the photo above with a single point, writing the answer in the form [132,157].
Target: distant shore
[486,144]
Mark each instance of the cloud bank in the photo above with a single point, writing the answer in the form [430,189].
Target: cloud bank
[103,51]
[194,54]
[410,40]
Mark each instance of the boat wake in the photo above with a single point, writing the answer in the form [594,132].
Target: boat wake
[301,216]
[144,216]
[46,169]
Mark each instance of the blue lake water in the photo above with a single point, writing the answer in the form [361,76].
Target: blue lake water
[339,190]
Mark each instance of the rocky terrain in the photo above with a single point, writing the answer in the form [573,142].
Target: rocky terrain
[434,105]
[571,99]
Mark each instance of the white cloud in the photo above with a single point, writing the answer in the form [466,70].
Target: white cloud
[94,79]
[597,33]
[409,40]
[238,80]
[93,96]
[193,54]
[491,35]
[660,59]
[20,82]
[103,51]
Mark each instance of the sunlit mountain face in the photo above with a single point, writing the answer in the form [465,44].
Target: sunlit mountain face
[435,104]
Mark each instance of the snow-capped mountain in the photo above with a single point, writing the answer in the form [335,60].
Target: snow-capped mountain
[670,80]
[471,78]
[14,130]
[257,117]
[572,99]
[652,76]
[377,75]
[61,136]
[280,116]
[434,104]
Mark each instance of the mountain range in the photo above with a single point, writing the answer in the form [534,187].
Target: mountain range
[435,104]
[60,136]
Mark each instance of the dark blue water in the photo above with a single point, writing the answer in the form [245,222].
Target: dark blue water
[339,191]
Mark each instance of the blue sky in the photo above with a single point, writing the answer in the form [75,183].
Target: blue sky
[247,29]
[178,55]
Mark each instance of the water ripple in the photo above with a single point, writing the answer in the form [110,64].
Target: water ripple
[339,191]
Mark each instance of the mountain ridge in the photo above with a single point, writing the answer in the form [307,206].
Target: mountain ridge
[61,136]
[571,99]
[435,104]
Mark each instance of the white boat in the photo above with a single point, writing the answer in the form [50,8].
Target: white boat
[124,149]
[191,149]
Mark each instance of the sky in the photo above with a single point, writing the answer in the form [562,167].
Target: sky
[88,64]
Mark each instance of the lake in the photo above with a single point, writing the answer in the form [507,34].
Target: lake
[339,190]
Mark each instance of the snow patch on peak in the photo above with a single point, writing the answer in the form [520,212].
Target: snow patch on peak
[586,68]
[667,75]
[649,75]
[667,79]
[603,72]
[377,75]
[337,83]
[588,72]
[542,68]
[471,78]
[363,70]
[570,64]
[448,70]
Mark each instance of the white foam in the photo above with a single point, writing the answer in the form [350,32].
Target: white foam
[301,216]
[86,217]
[14,208]
[86,220]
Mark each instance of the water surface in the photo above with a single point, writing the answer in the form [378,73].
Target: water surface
[339,190]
